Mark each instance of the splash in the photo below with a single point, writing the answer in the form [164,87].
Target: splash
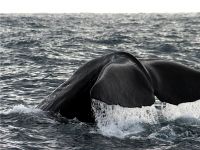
[120,122]
[114,120]
[20,109]
[186,110]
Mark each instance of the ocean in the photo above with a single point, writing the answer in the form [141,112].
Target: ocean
[38,52]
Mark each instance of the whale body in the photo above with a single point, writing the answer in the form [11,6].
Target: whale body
[121,79]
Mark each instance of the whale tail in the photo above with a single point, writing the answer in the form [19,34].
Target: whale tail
[174,83]
[116,79]
[121,79]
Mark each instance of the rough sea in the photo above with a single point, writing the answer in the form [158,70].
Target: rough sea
[40,51]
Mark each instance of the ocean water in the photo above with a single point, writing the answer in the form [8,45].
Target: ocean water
[39,52]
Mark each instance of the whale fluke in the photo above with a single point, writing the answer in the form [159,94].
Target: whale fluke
[174,83]
[123,83]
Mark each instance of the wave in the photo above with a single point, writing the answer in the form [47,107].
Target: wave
[21,44]
[120,122]
[23,116]
[20,109]
[168,48]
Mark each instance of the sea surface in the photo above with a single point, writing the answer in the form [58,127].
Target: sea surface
[40,51]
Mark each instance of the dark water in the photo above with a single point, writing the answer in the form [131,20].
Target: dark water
[39,52]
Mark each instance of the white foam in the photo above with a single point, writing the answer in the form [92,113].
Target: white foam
[114,120]
[117,121]
[21,109]
[186,110]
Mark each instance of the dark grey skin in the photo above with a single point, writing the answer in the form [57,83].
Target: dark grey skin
[121,79]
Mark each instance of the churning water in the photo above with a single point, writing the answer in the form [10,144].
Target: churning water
[39,52]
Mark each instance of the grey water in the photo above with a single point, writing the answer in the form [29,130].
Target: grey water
[40,51]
